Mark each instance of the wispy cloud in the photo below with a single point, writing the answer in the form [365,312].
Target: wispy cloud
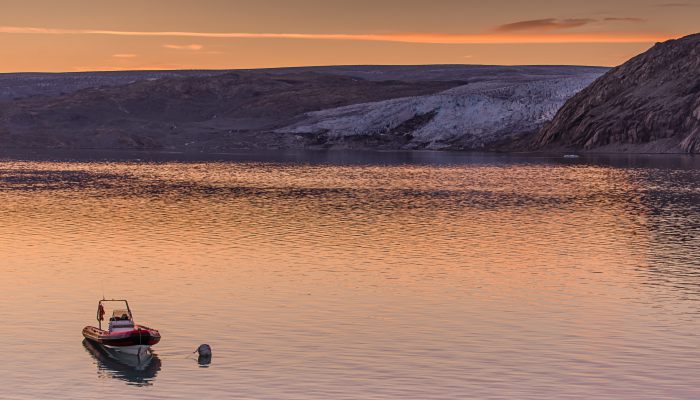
[502,35]
[624,19]
[193,47]
[676,5]
[124,55]
[546,24]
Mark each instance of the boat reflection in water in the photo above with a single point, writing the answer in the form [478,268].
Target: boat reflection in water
[134,370]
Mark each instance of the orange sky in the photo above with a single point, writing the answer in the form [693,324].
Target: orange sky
[74,35]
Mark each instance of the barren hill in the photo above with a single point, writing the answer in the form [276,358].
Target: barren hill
[649,104]
[208,111]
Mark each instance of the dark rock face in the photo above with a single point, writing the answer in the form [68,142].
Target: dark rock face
[649,104]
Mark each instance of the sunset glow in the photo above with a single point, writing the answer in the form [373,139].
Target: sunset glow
[429,38]
[76,35]
[366,199]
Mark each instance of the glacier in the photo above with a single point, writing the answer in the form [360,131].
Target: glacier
[475,116]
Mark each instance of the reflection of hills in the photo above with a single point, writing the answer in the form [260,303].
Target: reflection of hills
[670,207]
[126,367]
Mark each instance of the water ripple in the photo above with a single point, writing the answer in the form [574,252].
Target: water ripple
[484,280]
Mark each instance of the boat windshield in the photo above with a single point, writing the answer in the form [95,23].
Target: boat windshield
[120,315]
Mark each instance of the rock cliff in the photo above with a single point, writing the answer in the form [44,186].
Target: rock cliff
[649,104]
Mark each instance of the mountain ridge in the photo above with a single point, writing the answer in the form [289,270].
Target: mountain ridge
[236,110]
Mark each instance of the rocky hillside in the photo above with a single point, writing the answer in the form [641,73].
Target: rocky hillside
[460,107]
[649,104]
[232,110]
[15,86]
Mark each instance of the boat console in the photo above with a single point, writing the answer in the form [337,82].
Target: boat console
[120,321]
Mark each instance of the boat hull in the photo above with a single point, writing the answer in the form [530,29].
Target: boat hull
[130,341]
[136,350]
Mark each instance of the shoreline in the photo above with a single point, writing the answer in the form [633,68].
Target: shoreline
[351,157]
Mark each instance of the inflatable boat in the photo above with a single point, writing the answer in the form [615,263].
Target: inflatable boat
[122,335]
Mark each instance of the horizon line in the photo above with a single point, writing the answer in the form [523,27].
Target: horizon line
[185,69]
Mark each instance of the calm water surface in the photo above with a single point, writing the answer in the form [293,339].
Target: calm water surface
[422,277]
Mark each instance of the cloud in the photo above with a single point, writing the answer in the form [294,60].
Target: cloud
[193,47]
[124,55]
[547,24]
[494,37]
[673,5]
[552,24]
[624,19]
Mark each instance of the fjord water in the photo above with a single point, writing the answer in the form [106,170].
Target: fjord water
[395,276]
